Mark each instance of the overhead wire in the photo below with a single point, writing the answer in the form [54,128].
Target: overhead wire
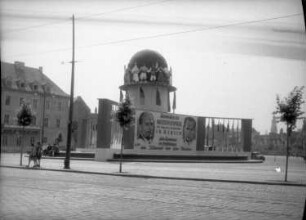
[166,34]
[88,16]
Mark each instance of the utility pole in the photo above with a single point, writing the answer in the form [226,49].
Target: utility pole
[69,133]
[43,116]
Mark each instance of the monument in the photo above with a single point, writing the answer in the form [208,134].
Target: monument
[158,133]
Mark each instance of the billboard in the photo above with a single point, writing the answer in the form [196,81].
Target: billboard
[164,131]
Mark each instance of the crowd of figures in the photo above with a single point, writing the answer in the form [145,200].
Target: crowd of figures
[145,74]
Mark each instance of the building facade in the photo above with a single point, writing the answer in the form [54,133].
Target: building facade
[275,143]
[49,103]
[84,131]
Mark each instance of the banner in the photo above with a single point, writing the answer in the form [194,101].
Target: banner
[165,131]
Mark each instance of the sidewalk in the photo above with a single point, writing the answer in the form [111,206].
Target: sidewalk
[253,173]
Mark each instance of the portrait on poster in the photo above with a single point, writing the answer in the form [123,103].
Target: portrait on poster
[189,131]
[145,127]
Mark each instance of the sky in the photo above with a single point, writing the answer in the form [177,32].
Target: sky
[230,58]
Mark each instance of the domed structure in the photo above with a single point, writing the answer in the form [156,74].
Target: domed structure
[148,80]
[148,58]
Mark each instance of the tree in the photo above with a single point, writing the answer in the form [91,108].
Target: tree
[289,111]
[24,119]
[125,116]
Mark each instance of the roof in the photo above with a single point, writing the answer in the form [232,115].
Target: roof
[147,58]
[80,100]
[17,76]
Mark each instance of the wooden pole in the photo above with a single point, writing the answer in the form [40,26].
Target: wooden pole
[67,158]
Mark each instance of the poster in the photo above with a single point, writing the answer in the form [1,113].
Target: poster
[165,131]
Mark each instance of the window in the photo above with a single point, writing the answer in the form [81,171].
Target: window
[32,140]
[158,101]
[45,122]
[33,120]
[18,141]
[4,140]
[35,87]
[35,102]
[142,97]
[48,104]
[21,101]
[59,106]
[6,119]
[58,123]
[8,100]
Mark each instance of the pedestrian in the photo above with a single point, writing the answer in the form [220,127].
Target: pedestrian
[38,154]
[32,155]
[35,155]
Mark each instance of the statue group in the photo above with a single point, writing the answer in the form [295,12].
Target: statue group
[144,74]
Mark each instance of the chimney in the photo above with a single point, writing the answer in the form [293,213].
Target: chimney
[40,69]
[19,65]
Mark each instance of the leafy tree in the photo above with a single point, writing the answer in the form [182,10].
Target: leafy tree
[289,110]
[24,119]
[125,117]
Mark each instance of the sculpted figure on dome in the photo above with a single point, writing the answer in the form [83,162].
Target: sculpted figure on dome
[170,78]
[161,77]
[135,72]
[157,72]
[167,74]
[127,75]
[153,75]
[143,73]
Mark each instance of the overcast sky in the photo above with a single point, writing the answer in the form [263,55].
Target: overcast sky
[230,58]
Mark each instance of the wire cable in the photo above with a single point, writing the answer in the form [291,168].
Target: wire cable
[166,34]
[87,16]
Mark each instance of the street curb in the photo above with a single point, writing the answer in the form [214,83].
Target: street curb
[162,177]
[185,161]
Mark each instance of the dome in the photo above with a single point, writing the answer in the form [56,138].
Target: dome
[148,67]
[147,58]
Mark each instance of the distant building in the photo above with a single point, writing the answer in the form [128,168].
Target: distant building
[84,132]
[274,125]
[22,84]
[276,143]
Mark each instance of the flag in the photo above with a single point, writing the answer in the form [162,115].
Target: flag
[207,132]
[213,131]
[121,95]
[169,107]
[158,101]
[223,126]
[174,102]
[237,132]
[218,127]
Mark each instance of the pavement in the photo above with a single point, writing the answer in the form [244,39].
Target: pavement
[31,194]
[251,173]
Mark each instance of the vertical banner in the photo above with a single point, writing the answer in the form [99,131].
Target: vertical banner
[165,131]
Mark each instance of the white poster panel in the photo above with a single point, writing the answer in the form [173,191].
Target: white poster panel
[165,131]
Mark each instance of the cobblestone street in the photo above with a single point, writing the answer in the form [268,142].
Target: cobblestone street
[41,194]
